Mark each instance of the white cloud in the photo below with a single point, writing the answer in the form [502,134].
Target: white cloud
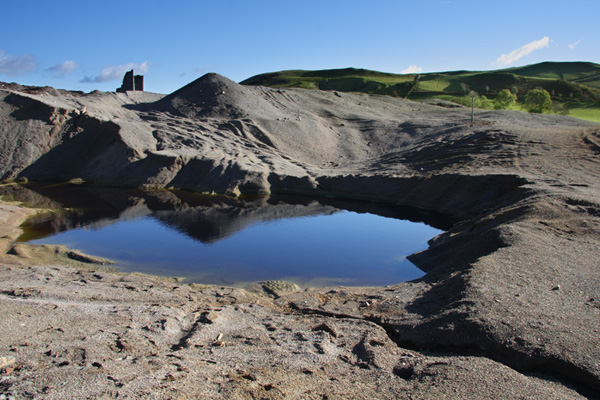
[573,45]
[16,65]
[515,55]
[116,72]
[63,69]
[413,69]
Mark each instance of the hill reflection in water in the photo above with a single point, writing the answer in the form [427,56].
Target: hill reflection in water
[228,241]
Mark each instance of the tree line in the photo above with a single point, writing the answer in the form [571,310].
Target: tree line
[535,101]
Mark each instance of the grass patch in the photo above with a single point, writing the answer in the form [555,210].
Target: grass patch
[574,85]
[589,112]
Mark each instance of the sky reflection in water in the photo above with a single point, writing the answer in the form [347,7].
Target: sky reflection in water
[345,248]
[313,242]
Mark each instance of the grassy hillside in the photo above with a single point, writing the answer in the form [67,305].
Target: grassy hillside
[573,86]
[584,73]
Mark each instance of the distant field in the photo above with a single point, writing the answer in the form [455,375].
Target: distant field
[583,111]
[575,85]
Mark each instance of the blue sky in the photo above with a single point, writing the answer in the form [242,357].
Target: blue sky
[85,45]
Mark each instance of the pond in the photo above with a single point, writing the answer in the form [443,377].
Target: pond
[313,242]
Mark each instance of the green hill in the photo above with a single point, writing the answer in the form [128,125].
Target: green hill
[574,85]
[585,73]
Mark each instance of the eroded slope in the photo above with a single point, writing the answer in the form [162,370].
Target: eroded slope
[516,281]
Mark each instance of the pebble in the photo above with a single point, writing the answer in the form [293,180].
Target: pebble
[279,288]
[6,362]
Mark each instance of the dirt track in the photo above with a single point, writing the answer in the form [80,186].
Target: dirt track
[509,308]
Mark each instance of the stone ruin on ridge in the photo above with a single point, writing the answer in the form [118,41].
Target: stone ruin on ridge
[131,82]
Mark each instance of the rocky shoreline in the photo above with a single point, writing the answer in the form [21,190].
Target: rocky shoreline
[508,309]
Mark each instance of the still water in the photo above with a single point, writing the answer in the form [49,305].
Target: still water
[208,239]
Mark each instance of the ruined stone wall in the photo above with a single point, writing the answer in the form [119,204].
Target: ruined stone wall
[138,82]
[131,82]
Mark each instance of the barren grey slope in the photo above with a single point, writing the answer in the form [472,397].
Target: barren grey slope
[516,281]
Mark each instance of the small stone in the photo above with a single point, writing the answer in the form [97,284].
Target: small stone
[326,328]
[7,363]
[557,287]
[207,317]
[301,336]
[250,377]
[279,288]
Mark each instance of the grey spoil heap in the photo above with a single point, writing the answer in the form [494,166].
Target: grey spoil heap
[509,304]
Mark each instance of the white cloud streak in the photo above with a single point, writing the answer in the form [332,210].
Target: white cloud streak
[515,55]
[16,65]
[413,69]
[63,69]
[573,45]
[116,72]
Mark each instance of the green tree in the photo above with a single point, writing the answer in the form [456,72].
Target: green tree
[473,99]
[538,101]
[505,99]
[560,108]
[484,102]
